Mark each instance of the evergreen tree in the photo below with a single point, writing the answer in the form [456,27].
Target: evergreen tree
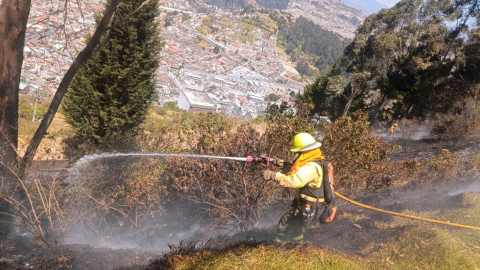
[111,93]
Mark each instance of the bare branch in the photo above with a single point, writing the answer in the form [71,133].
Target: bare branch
[128,16]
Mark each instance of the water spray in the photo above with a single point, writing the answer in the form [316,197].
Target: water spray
[262,159]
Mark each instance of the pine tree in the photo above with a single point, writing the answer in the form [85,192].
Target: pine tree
[110,95]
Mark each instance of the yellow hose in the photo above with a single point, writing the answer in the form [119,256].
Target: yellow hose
[404,215]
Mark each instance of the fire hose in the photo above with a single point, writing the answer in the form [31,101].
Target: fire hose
[405,215]
[265,161]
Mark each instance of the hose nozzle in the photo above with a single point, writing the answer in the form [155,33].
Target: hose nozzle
[264,160]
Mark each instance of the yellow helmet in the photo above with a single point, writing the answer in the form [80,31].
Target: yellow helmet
[304,142]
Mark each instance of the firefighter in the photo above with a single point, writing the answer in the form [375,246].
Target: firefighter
[392,128]
[306,175]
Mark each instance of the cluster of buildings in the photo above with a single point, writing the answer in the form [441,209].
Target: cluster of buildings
[217,62]
[53,38]
[231,73]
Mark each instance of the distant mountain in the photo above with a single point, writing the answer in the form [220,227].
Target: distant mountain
[274,4]
[228,3]
[367,6]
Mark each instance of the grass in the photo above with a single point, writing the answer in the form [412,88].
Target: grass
[420,246]
[246,27]
[159,117]
[271,257]
[244,38]
[203,44]
[224,21]
[203,29]
[51,146]
[262,22]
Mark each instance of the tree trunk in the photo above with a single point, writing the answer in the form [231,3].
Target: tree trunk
[377,109]
[13,23]
[347,106]
[350,99]
[82,57]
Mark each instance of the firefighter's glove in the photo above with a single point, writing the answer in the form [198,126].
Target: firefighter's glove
[276,162]
[269,175]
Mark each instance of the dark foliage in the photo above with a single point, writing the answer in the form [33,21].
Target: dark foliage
[303,37]
[111,94]
[416,59]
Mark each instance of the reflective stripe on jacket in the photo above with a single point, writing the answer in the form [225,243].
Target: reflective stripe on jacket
[309,175]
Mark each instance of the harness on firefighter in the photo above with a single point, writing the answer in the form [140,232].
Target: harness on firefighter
[317,199]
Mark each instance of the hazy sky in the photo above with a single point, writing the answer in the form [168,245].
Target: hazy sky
[388,3]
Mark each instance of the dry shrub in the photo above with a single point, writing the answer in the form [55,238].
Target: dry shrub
[409,127]
[114,195]
[117,196]
[460,123]
[447,167]
[38,204]
[120,196]
[359,157]
[229,194]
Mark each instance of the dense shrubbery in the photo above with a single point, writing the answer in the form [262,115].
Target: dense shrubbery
[303,38]
[460,122]
[444,168]
[230,194]
[354,151]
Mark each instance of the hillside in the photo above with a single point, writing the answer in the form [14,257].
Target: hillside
[367,6]
[358,239]
[332,16]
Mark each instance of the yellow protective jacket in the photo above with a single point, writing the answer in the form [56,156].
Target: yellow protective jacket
[310,175]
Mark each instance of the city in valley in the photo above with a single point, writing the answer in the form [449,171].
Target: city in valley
[215,59]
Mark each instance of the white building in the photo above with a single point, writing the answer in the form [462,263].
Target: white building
[255,97]
[195,101]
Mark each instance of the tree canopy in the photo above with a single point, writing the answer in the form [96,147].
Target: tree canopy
[303,39]
[416,58]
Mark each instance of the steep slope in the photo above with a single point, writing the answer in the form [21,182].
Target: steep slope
[274,4]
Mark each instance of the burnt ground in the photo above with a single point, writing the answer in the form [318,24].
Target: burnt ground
[429,147]
[80,257]
[344,234]
[353,236]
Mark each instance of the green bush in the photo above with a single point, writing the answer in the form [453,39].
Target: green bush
[171,105]
[272,97]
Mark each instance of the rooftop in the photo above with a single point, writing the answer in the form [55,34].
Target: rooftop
[198,99]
